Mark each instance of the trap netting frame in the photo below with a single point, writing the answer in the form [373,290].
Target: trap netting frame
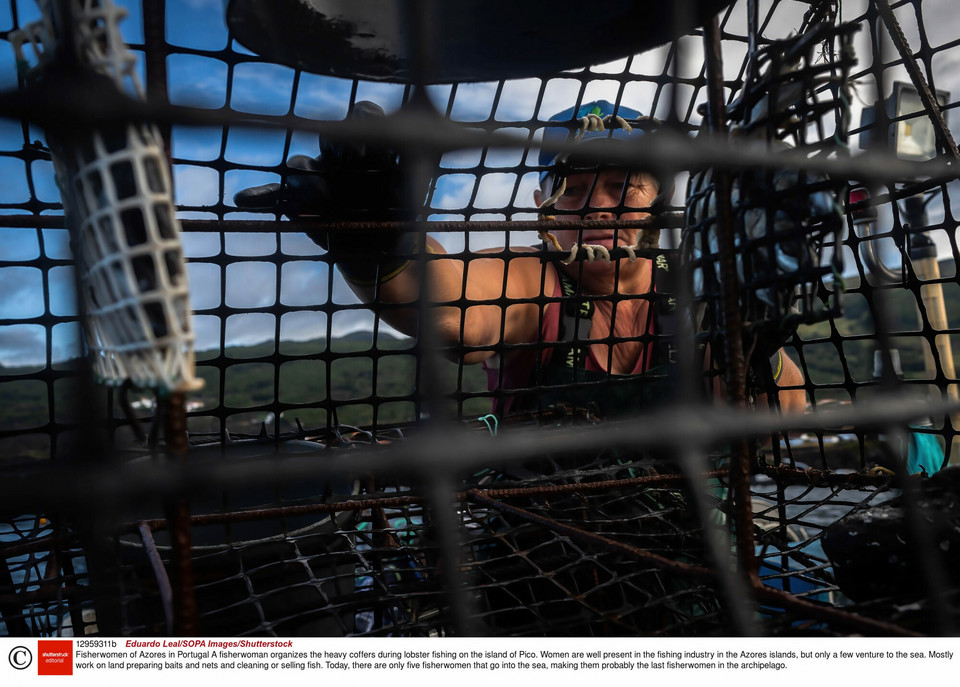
[404,529]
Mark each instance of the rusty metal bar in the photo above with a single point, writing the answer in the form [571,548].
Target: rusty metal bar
[398,501]
[700,573]
[666,220]
[735,366]
[701,426]
[178,514]
[695,572]
[824,478]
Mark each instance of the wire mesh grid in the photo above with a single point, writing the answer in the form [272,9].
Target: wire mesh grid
[342,478]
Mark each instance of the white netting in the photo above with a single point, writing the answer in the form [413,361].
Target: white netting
[118,199]
[134,281]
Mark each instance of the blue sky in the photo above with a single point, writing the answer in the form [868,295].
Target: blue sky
[199,79]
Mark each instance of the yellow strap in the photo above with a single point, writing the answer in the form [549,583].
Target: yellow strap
[779,369]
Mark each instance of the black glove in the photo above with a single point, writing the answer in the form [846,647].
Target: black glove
[347,182]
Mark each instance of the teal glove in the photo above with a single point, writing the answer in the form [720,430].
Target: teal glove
[924,454]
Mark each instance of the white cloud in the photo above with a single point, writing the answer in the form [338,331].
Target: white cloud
[262,88]
[303,282]
[248,146]
[204,281]
[18,244]
[22,345]
[196,142]
[200,244]
[495,190]
[940,21]
[473,102]
[249,244]
[247,329]
[389,96]
[251,284]
[453,191]
[322,97]
[14,174]
[207,331]
[63,292]
[464,158]
[360,320]
[303,325]
[66,341]
[195,186]
[197,81]
[516,105]
[296,243]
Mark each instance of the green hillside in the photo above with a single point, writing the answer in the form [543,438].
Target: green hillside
[365,383]
[352,374]
[853,338]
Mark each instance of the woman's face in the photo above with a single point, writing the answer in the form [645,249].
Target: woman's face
[614,194]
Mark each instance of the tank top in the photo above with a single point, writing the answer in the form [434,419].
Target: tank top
[563,368]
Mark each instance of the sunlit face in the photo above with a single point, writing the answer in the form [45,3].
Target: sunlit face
[615,192]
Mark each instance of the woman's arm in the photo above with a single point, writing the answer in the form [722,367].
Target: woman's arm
[467,298]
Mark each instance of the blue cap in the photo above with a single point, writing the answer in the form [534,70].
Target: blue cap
[558,135]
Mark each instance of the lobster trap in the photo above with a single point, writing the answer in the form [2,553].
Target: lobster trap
[269,456]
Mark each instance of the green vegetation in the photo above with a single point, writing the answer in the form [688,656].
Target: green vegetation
[357,378]
[851,340]
[360,383]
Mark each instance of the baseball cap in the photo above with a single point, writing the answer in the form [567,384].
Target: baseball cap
[556,135]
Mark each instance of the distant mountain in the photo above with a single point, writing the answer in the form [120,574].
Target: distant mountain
[364,383]
[848,343]
[361,384]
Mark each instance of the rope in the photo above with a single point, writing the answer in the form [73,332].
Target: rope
[491,423]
